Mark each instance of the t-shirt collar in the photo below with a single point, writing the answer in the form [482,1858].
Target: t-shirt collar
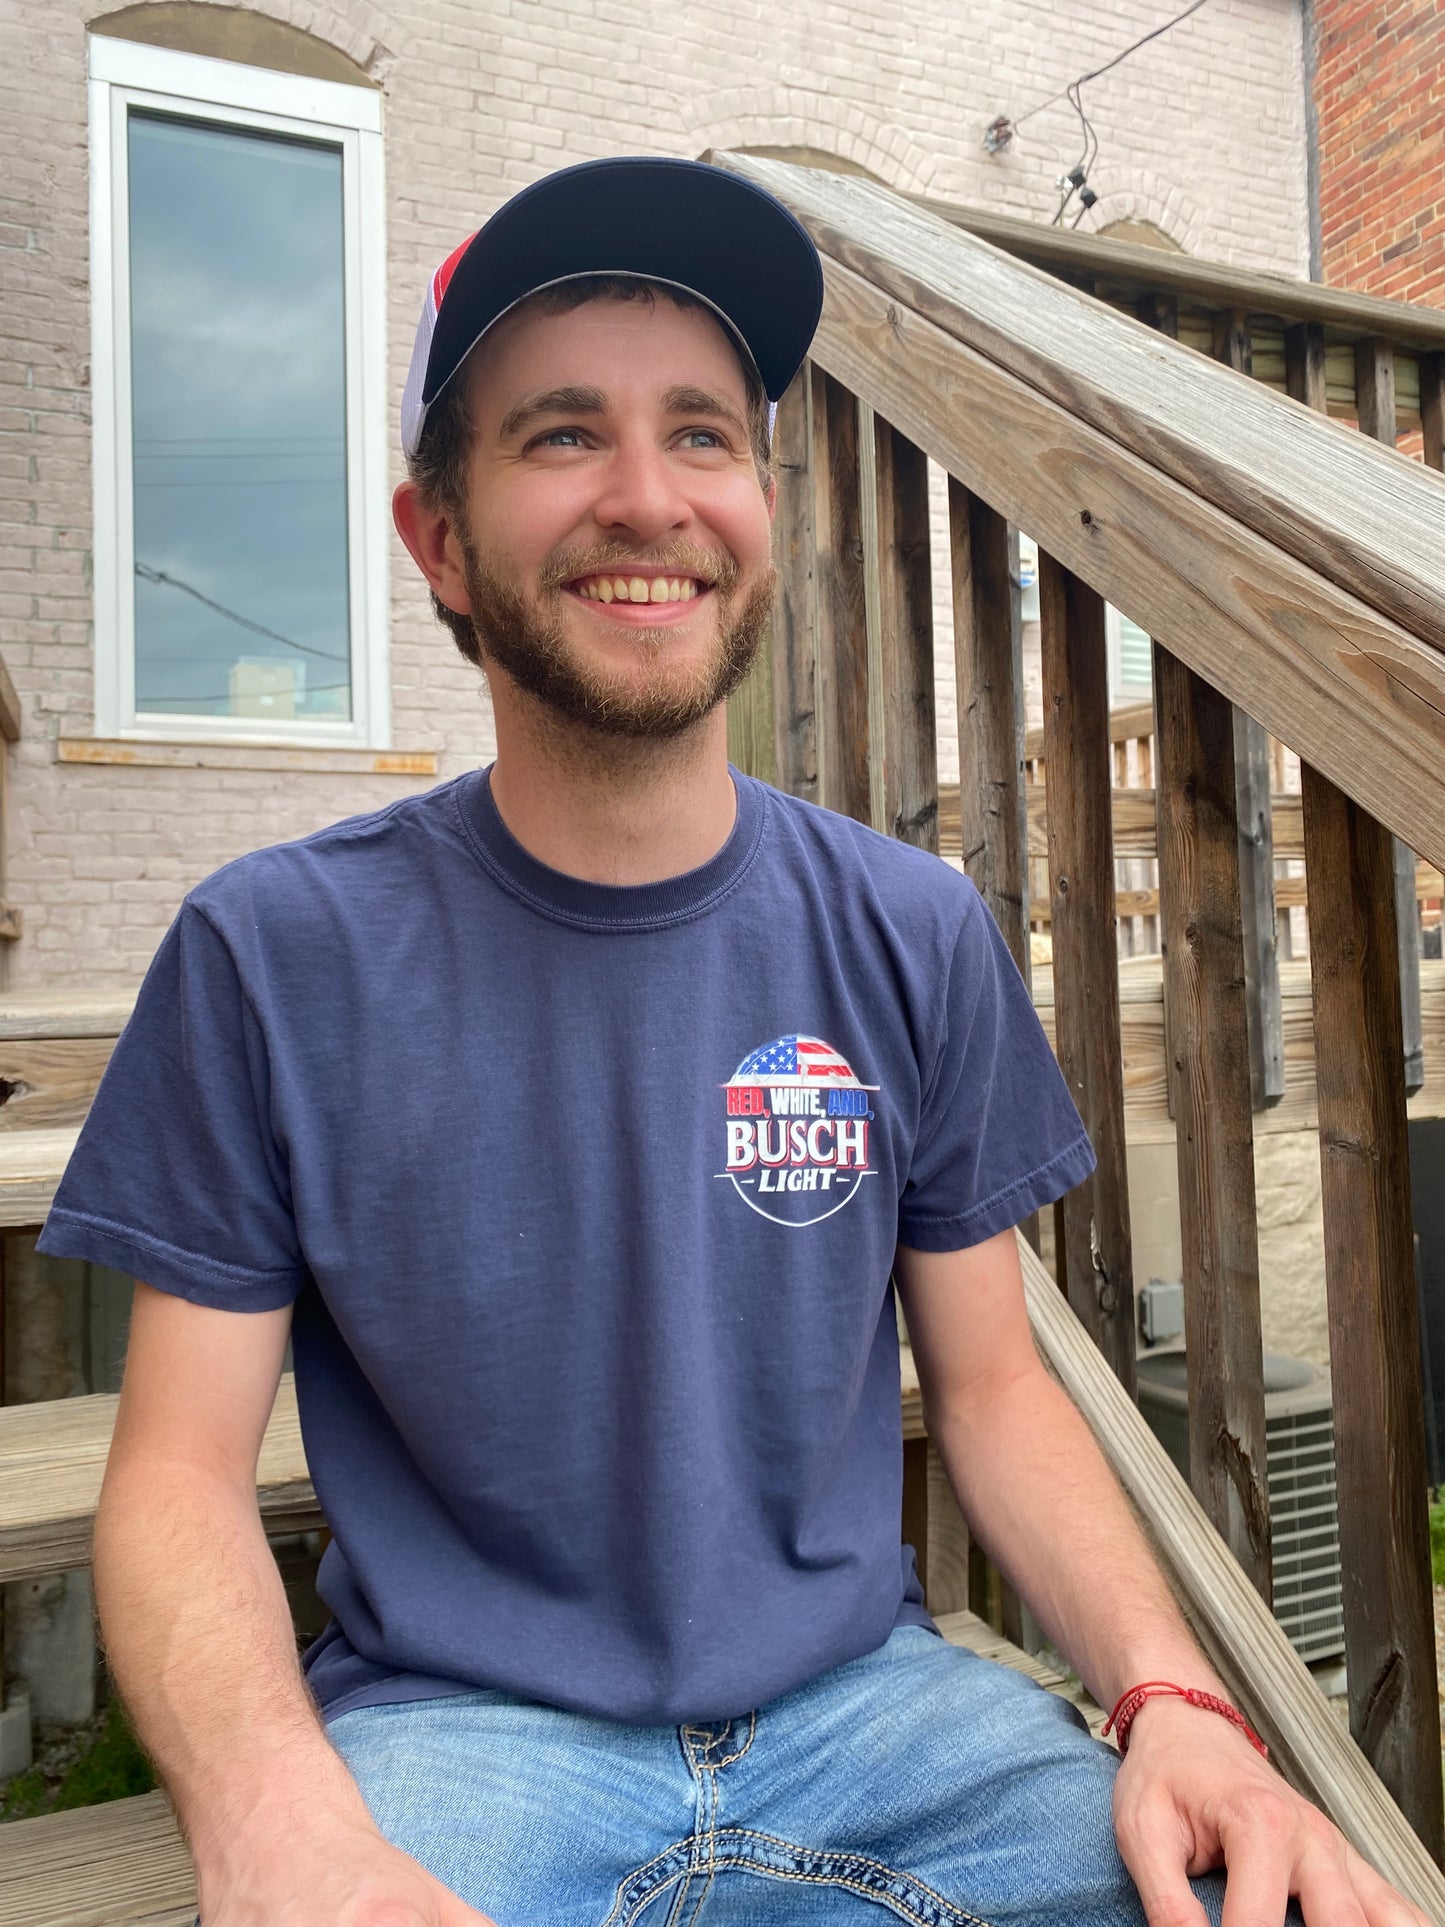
[610,906]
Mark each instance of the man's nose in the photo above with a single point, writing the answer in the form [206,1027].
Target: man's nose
[640,493]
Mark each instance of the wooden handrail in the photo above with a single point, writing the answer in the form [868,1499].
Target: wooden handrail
[1236,1628]
[1287,582]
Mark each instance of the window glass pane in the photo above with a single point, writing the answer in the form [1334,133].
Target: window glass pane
[238,399]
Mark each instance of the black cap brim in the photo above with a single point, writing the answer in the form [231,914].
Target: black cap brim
[676,221]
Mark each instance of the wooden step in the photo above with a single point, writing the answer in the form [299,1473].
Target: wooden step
[125,1864]
[31,1164]
[52,1458]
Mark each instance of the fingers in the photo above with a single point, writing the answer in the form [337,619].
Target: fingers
[1259,1871]
[1377,1900]
[1154,1850]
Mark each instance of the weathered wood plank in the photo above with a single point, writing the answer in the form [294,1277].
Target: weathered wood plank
[1241,1636]
[1344,686]
[1099,1259]
[49,1082]
[795,668]
[1344,507]
[1304,365]
[842,641]
[1255,841]
[52,1459]
[121,1864]
[64,1013]
[1254,859]
[905,638]
[750,717]
[31,1163]
[1085,258]
[1370,1284]
[1375,408]
[1209,1076]
[988,673]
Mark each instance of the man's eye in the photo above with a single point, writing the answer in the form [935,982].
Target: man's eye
[703,438]
[559,438]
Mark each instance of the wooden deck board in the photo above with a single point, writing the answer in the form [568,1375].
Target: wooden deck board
[52,1458]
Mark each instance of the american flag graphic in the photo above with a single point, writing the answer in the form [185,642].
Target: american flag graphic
[803,1060]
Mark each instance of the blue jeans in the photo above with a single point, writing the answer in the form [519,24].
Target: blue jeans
[918,1781]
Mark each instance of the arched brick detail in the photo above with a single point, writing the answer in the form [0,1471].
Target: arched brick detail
[740,117]
[363,32]
[1146,196]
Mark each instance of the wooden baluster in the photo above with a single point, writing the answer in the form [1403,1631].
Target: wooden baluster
[1432,409]
[988,672]
[1256,838]
[1304,365]
[905,640]
[1370,1282]
[1375,408]
[1098,1259]
[841,648]
[795,622]
[1208,1062]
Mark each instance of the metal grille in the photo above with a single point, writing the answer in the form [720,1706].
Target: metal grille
[1304,1522]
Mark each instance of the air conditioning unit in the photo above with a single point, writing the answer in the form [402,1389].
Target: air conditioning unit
[1304,1522]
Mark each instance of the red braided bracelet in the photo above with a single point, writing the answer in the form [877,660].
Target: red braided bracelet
[1122,1717]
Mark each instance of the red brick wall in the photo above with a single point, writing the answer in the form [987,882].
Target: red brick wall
[1379,94]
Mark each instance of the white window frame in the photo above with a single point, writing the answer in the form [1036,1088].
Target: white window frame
[123,74]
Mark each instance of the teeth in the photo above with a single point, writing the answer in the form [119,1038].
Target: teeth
[637,588]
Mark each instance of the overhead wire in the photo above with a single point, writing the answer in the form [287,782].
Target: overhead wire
[1109,65]
[148,573]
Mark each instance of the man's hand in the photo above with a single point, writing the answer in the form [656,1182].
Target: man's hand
[346,1878]
[1193,1795]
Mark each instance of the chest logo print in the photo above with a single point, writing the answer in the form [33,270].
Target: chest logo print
[798,1124]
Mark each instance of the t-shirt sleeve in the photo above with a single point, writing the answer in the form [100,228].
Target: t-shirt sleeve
[998,1133]
[177,1178]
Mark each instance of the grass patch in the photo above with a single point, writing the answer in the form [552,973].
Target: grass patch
[112,1767]
[1437,1535]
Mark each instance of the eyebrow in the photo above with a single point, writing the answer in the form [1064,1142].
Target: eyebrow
[702,401]
[684,400]
[552,401]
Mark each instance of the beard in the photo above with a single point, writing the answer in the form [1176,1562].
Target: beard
[527,641]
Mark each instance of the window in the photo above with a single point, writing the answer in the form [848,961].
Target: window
[240,405]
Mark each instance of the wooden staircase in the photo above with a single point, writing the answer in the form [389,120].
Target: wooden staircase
[1290,571]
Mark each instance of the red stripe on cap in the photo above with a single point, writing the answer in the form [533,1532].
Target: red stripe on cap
[442,278]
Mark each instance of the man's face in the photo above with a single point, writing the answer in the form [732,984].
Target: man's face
[617,554]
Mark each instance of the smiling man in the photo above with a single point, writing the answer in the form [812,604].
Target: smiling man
[574,1120]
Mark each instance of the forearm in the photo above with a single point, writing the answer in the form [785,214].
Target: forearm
[199,1641]
[1038,1494]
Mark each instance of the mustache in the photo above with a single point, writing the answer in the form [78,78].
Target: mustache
[717,567]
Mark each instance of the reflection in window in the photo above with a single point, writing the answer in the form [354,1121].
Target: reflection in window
[238,421]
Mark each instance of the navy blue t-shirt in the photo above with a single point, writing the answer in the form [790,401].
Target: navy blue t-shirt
[586,1199]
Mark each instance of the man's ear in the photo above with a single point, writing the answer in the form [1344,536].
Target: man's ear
[427,533]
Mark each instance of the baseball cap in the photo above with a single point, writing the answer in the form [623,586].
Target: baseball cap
[683,223]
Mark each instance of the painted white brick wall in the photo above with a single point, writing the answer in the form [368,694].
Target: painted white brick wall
[1202,132]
